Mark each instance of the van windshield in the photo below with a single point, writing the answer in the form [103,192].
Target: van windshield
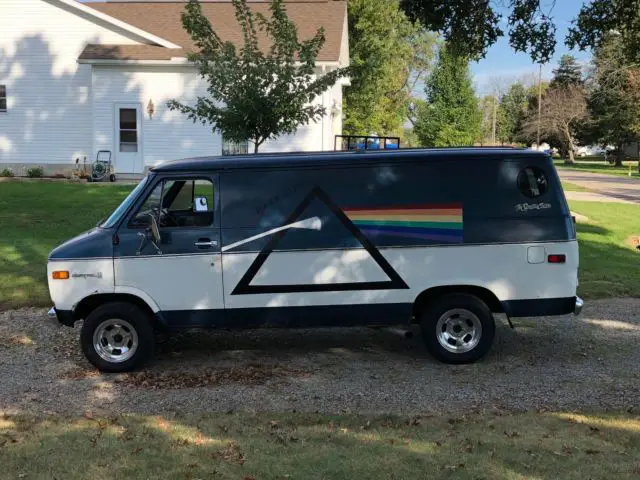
[124,206]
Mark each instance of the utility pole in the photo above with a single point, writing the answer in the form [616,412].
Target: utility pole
[495,109]
[539,105]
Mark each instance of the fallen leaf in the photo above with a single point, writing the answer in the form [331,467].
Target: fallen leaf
[136,450]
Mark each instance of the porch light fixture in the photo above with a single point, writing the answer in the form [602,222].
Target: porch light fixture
[151,109]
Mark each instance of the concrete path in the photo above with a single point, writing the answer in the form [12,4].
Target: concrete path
[616,187]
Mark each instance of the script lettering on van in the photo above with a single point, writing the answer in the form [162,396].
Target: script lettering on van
[87,275]
[525,207]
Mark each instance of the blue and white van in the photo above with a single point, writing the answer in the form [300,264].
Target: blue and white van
[442,238]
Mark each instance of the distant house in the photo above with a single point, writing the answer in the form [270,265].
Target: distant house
[77,78]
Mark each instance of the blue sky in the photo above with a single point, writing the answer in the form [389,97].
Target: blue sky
[502,61]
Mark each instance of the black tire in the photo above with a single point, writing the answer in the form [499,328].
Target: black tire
[457,301]
[112,177]
[138,319]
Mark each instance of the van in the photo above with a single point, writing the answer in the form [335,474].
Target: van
[441,238]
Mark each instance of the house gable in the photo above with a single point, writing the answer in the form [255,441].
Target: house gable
[85,11]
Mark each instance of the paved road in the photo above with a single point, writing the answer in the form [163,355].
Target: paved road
[624,188]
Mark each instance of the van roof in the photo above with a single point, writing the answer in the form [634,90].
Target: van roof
[306,159]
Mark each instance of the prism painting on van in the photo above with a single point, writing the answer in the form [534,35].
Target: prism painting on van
[434,222]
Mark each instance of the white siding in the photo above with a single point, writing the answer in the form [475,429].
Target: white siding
[316,136]
[49,107]
[171,135]
[168,135]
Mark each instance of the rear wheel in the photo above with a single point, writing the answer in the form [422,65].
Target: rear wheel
[457,328]
[117,337]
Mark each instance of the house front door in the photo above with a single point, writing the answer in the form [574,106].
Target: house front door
[128,138]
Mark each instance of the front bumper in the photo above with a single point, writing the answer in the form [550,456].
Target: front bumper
[65,317]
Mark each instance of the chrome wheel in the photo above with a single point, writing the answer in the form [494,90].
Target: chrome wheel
[459,330]
[115,340]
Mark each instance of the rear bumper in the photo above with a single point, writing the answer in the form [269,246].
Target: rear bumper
[65,317]
[543,307]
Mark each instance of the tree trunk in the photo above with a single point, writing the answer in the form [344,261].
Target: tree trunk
[619,155]
[569,142]
[256,145]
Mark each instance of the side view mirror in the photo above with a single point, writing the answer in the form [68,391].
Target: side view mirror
[200,204]
[153,231]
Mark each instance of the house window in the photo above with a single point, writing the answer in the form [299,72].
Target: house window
[230,147]
[3,98]
[128,130]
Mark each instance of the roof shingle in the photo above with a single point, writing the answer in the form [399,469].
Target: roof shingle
[164,20]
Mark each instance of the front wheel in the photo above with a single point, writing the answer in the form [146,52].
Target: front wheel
[117,337]
[458,328]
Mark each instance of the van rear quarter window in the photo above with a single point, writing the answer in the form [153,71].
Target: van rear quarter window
[448,202]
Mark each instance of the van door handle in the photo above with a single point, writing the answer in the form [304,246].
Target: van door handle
[205,242]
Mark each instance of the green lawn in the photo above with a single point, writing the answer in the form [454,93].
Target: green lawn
[601,167]
[300,446]
[572,187]
[609,267]
[35,217]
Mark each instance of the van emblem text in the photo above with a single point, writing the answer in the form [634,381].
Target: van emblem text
[87,275]
[523,207]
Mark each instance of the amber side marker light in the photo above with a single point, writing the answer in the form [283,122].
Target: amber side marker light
[60,275]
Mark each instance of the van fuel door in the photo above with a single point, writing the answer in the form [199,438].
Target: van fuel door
[536,254]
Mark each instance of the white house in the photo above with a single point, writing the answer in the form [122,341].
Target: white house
[78,78]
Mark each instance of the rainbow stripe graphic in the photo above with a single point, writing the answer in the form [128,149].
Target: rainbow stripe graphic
[437,223]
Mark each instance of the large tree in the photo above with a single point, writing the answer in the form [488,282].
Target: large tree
[598,18]
[512,114]
[450,116]
[389,56]
[255,94]
[563,110]
[615,99]
[472,26]
[568,72]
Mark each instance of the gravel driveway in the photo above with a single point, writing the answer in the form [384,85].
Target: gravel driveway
[586,362]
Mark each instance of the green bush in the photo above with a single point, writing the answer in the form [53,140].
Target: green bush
[35,172]
[7,172]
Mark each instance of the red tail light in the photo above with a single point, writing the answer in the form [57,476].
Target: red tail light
[557,258]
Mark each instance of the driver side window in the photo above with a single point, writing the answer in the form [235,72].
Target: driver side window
[177,203]
[150,207]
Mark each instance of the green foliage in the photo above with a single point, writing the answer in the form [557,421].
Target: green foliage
[599,17]
[568,72]
[389,56]
[256,95]
[35,172]
[614,101]
[512,114]
[451,116]
[6,172]
[470,27]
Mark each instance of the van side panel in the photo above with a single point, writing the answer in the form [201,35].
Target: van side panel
[381,235]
